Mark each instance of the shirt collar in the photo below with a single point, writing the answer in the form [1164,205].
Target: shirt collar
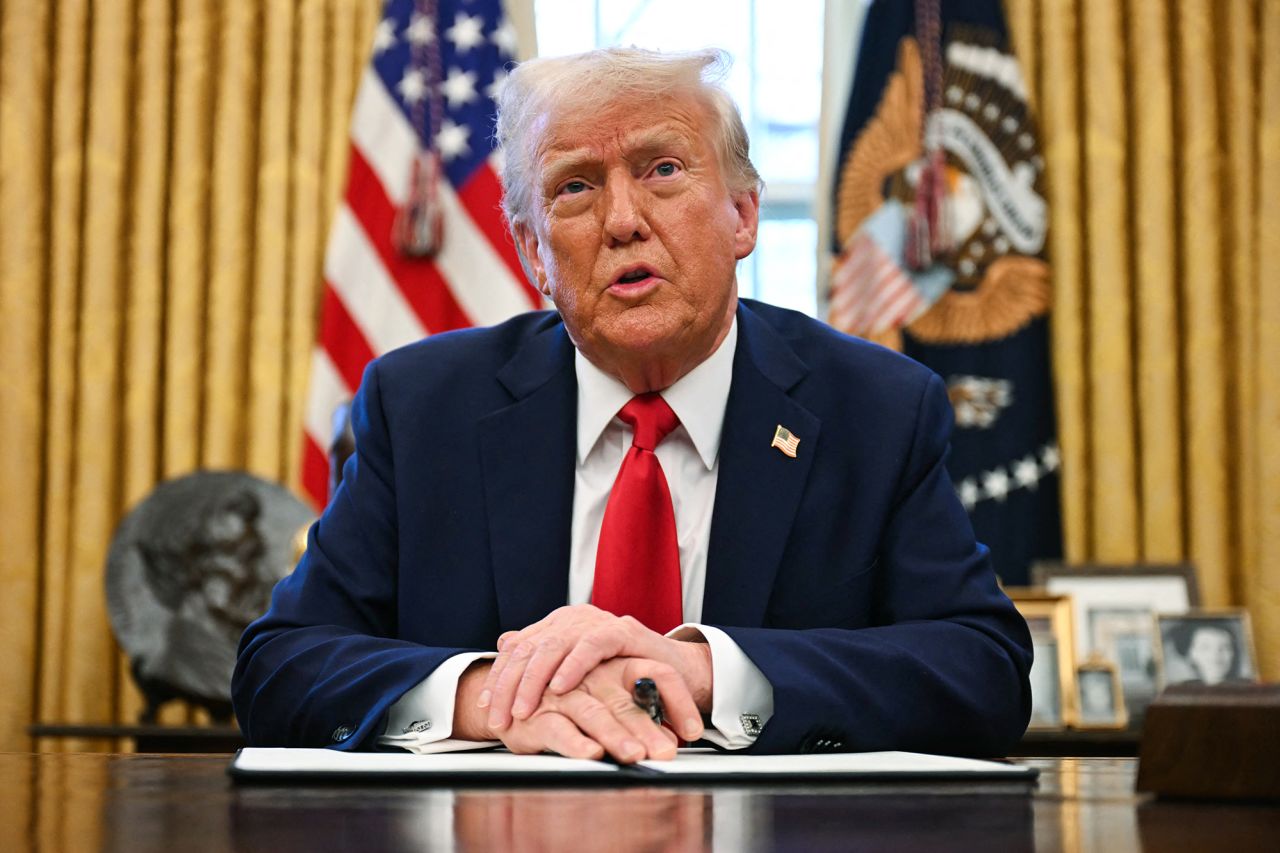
[698,398]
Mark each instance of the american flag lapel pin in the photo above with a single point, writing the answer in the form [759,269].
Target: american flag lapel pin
[785,441]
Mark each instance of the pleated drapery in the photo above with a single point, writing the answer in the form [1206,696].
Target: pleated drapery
[168,170]
[1161,130]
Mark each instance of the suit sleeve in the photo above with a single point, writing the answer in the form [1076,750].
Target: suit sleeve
[944,669]
[322,666]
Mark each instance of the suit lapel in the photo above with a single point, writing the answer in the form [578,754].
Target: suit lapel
[759,488]
[528,457]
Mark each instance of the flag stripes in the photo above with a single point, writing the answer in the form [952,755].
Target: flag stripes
[869,291]
[376,298]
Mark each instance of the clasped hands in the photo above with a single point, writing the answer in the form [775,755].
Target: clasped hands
[564,684]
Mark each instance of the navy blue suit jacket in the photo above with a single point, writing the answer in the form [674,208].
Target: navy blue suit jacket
[849,575]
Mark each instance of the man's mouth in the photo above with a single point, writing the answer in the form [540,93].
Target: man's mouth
[634,275]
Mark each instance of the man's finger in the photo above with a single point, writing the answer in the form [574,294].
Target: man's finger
[590,651]
[504,686]
[559,622]
[597,721]
[495,672]
[624,637]
[679,709]
[554,732]
[548,652]
[657,741]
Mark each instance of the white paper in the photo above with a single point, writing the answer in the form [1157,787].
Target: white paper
[691,762]
[844,763]
[262,760]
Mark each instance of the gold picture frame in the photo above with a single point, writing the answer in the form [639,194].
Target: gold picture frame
[1100,695]
[1114,605]
[1053,675]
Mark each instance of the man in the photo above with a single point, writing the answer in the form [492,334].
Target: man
[656,449]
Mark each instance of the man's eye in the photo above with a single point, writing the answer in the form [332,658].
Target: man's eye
[665,170]
[574,187]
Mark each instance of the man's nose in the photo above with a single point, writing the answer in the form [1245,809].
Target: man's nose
[625,215]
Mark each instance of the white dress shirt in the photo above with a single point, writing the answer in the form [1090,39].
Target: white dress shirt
[742,700]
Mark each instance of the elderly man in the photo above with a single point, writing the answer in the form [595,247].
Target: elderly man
[656,480]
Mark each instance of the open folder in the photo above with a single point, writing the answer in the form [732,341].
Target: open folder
[695,765]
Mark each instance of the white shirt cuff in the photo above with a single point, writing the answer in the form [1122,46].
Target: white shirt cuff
[422,719]
[741,698]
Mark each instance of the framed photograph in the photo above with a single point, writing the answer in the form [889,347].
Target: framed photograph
[1053,695]
[1114,609]
[1206,647]
[1101,696]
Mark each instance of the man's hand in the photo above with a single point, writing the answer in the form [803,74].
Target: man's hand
[597,717]
[557,652]
[671,820]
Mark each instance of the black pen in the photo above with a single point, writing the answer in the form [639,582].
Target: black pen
[645,694]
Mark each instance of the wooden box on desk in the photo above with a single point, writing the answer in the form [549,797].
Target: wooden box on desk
[1220,742]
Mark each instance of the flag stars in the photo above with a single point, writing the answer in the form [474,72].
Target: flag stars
[413,86]
[384,38]
[494,89]
[452,140]
[465,32]
[505,38]
[459,88]
[1026,473]
[996,484]
[420,31]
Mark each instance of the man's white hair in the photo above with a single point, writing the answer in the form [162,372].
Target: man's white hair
[592,81]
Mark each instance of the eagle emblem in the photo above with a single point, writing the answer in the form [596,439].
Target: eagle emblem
[993,280]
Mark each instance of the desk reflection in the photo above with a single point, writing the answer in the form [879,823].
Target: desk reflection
[675,820]
[644,820]
[165,803]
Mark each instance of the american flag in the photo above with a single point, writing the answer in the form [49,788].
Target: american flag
[429,88]
[785,441]
[870,291]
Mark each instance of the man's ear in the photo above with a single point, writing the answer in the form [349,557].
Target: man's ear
[747,204]
[527,246]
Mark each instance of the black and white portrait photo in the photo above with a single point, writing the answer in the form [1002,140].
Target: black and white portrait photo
[1206,648]
[1101,700]
[1125,635]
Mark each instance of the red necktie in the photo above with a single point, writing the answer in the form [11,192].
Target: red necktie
[638,559]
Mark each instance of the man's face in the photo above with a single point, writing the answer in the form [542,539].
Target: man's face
[634,235]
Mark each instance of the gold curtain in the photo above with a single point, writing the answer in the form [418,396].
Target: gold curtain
[1161,129]
[168,170]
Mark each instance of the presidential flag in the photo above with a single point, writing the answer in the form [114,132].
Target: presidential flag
[418,244]
[940,226]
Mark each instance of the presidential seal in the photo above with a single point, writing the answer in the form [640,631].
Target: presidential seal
[976,151]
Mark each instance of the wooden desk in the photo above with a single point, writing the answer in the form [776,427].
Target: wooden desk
[200,739]
[57,802]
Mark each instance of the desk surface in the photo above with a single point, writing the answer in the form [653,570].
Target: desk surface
[55,802]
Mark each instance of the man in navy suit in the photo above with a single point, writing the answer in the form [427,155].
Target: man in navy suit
[830,588]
